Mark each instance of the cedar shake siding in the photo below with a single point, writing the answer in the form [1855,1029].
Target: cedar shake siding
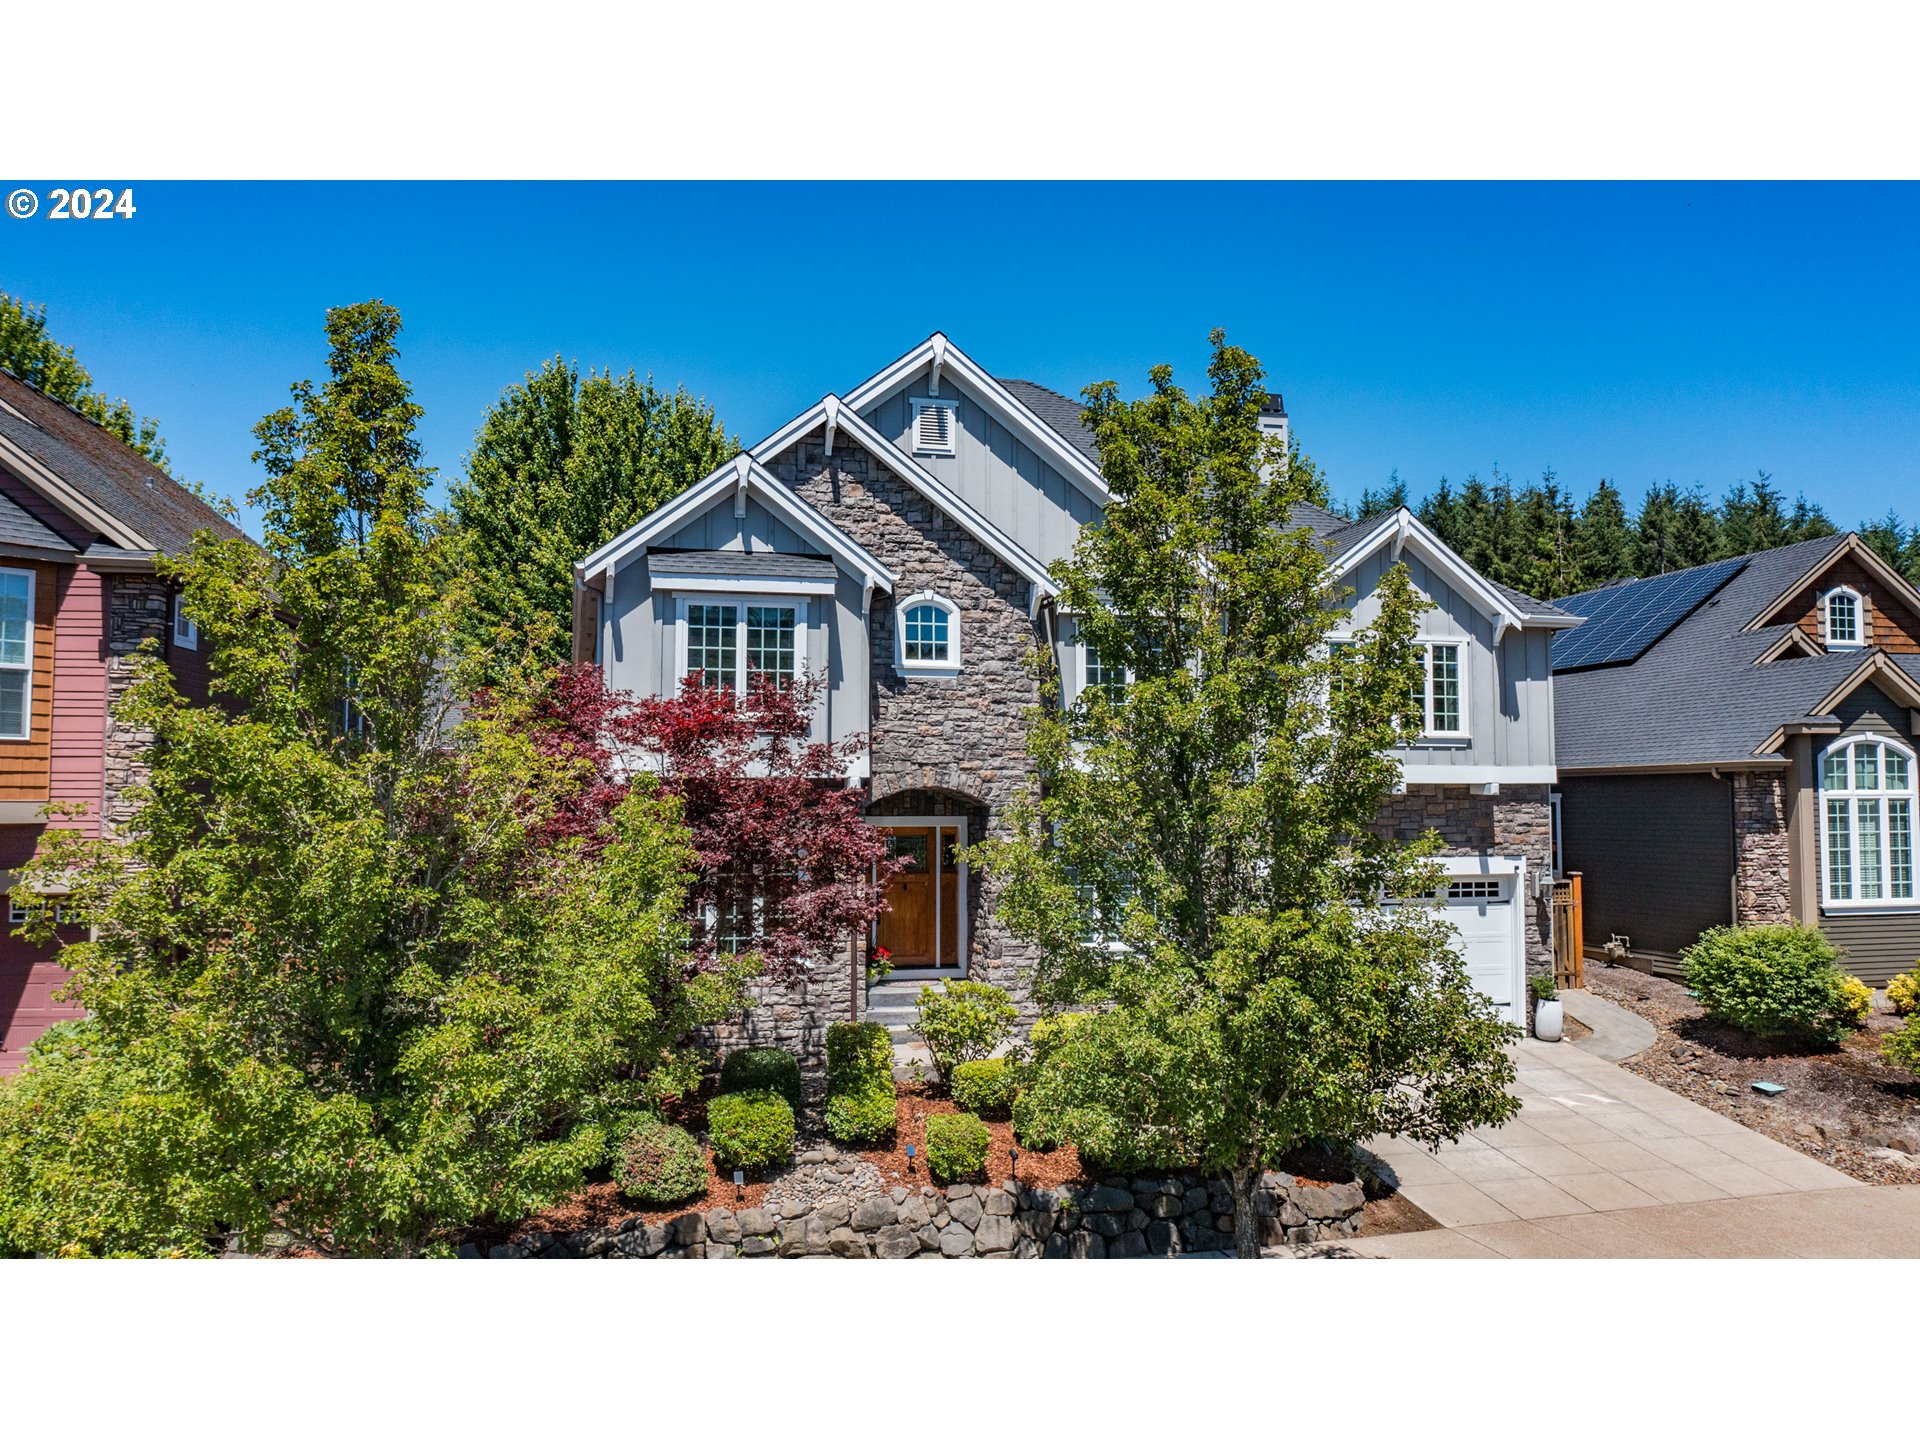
[1890,622]
[1656,859]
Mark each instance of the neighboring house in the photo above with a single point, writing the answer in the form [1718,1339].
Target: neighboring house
[82,518]
[896,540]
[1737,745]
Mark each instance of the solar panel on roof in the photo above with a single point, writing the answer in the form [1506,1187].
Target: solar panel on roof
[1624,621]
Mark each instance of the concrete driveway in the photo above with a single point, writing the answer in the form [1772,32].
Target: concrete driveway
[1603,1163]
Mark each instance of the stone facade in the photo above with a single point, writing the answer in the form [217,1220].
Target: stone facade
[1116,1220]
[1762,849]
[139,609]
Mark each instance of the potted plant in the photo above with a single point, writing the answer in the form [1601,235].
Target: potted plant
[1548,1016]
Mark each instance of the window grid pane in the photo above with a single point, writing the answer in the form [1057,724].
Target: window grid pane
[1866,767]
[14,637]
[1899,849]
[770,633]
[1867,849]
[926,633]
[1109,680]
[1843,618]
[710,644]
[13,704]
[1839,852]
[1835,777]
[1897,771]
[1446,688]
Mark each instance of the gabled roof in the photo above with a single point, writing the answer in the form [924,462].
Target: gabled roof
[90,474]
[1856,549]
[1350,543]
[1701,695]
[947,361]
[20,530]
[739,477]
[839,417]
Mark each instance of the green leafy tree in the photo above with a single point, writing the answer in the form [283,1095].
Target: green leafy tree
[1197,864]
[36,357]
[561,465]
[348,980]
[1603,540]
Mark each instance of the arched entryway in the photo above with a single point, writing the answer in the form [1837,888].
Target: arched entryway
[929,921]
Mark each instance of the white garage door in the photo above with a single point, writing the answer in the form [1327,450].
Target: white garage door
[1482,909]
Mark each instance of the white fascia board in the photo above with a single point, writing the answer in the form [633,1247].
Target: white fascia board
[742,470]
[989,392]
[915,474]
[1480,774]
[1479,864]
[65,497]
[740,585]
[1407,530]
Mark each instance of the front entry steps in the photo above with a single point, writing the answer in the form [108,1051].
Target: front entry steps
[896,1005]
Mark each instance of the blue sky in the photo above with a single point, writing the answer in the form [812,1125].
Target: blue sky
[1645,332]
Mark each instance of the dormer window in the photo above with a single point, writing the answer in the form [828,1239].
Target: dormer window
[927,640]
[1844,613]
[934,422]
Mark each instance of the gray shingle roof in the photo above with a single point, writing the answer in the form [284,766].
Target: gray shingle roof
[105,470]
[17,527]
[1697,697]
[760,564]
[1061,414]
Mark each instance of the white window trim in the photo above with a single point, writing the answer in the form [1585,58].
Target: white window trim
[1895,905]
[940,669]
[26,703]
[1425,645]
[1859,641]
[1080,682]
[741,603]
[951,404]
[186,634]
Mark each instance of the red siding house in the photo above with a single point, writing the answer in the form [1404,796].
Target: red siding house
[82,520]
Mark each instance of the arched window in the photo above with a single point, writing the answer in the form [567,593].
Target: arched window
[1843,615]
[1866,822]
[928,635]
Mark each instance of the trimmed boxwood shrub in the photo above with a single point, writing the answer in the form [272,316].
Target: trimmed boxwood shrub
[985,1087]
[658,1163]
[1770,980]
[763,1067]
[957,1146]
[750,1129]
[860,1093]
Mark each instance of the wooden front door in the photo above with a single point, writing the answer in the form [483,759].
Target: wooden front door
[921,925]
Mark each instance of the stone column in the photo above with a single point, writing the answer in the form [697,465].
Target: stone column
[1762,875]
[138,609]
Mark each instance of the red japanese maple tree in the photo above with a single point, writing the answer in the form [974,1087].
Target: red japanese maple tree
[787,868]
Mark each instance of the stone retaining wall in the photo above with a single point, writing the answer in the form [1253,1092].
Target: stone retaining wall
[1116,1220]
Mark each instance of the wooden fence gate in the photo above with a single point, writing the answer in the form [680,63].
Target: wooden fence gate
[1569,936]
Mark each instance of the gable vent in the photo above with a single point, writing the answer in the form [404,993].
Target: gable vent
[933,427]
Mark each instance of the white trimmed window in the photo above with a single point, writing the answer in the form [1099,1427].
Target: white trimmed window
[186,634]
[1098,675]
[1843,616]
[1442,692]
[16,654]
[727,641]
[1866,823]
[927,635]
[934,424]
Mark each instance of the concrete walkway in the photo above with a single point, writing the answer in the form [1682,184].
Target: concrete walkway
[1618,1033]
[1603,1163]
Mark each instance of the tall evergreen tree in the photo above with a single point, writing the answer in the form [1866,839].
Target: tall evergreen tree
[1541,560]
[1677,529]
[36,357]
[561,465]
[1440,512]
[1808,522]
[1391,496]
[1753,518]
[1603,540]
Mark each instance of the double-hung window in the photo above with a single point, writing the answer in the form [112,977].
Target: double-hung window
[1866,822]
[1100,676]
[16,654]
[729,642]
[1442,691]
[1843,614]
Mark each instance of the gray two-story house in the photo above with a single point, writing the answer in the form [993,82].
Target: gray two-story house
[896,539]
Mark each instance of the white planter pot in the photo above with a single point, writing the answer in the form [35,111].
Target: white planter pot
[1547,1019]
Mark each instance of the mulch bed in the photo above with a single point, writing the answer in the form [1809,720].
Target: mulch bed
[1837,1104]
[1393,1215]
[1042,1168]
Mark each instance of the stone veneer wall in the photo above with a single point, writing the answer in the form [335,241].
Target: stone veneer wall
[940,746]
[139,608]
[1517,821]
[1118,1220]
[1762,847]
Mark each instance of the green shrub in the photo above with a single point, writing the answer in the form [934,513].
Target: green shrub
[1902,1047]
[957,1147]
[985,1087]
[1542,987]
[1856,1000]
[1770,980]
[860,1093]
[658,1163]
[1049,1030]
[750,1129]
[964,1020]
[1903,992]
[762,1067]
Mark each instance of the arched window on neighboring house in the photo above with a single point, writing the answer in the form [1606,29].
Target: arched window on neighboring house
[1843,618]
[927,635]
[1866,822]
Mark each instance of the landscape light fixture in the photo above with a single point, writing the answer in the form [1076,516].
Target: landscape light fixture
[739,1184]
[909,1159]
[1013,1160]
